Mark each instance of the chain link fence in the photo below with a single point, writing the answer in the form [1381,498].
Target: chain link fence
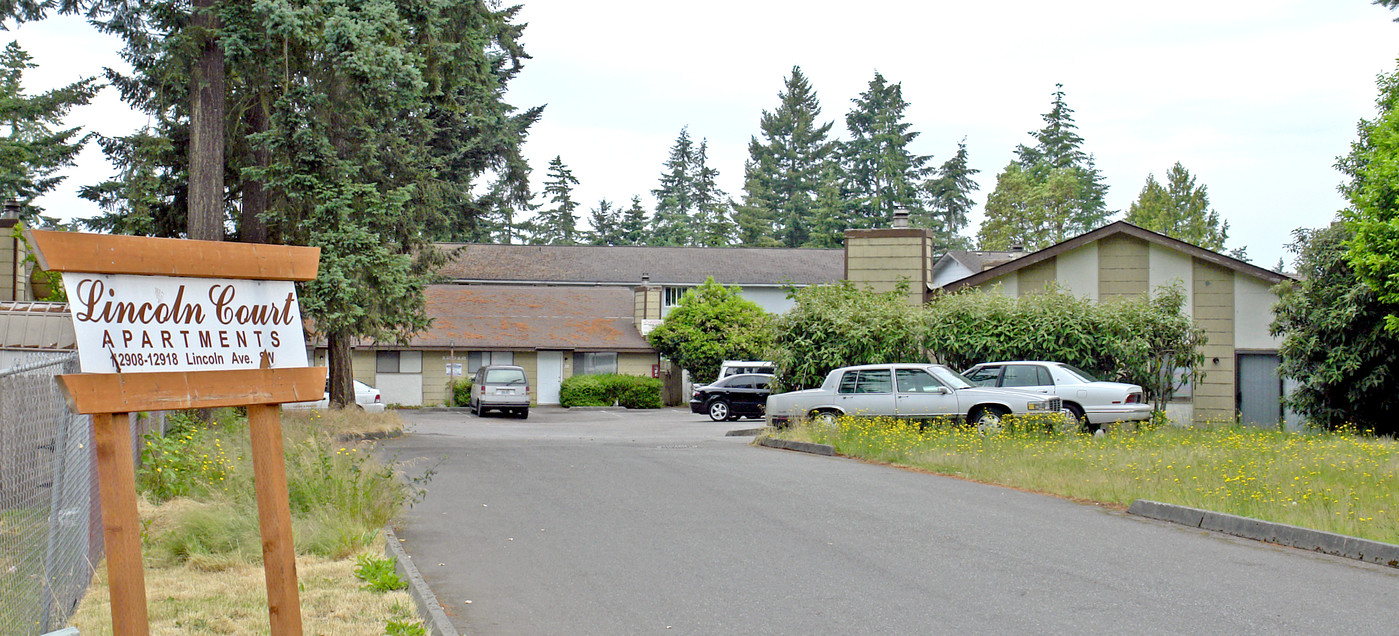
[50,513]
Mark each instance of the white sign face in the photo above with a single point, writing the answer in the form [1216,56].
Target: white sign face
[143,324]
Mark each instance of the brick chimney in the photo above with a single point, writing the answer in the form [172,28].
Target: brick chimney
[647,304]
[14,283]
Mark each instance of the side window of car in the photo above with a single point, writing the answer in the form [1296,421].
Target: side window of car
[1045,378]
[875,382]
[915,381]
[847,381]
[741,383]
[985,376]
[1020,375]
[760,383]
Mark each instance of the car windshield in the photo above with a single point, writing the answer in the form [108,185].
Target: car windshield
[1078,373]
[505,376]
[950,378]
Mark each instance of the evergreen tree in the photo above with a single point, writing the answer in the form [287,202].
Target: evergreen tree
[1065,189]
[557,225]
[632,230]
[949,200]
[785,170]
[370,118]
[881,174]
[606,222]
[830,217]
[712,225]
[675,196]
[32,150]
[756,222]
[1180,210]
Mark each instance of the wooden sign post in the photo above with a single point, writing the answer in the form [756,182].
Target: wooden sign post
[166,324]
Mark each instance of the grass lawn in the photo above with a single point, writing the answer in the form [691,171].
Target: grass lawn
[1335,482]
[200,533]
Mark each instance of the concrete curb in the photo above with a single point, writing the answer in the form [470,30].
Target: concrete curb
[801,447]
[1279,533]
[748,432]
[363,437]
[434,618]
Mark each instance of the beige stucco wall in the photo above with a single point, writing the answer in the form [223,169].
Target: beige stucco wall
[1168,266]
[362,366]
[14,283]
[1035,278]
[1122,267]
[1213,303]
[528,361]
[1078,271]
[1008,285]
[636,363]
[437,389]
[1253,312]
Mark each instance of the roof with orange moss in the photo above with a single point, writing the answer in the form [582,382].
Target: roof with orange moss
[512,317]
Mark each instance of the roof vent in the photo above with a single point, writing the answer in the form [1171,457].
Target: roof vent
[1017,248]
[645,278]
[900,217]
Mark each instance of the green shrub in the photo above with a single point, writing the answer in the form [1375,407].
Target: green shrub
[607,389]
[461,393]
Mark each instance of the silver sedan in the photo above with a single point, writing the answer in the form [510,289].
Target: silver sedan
[917,391]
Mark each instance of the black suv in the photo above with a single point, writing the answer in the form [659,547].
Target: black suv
[743,395]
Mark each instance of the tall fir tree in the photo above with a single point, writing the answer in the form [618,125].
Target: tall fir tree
[949,200]
[35,146]
[880,172]
[606,223]
[675,196]
[632,229]
[1180,209]
[1065,190]
[712,225]
[784,173]
[557,225]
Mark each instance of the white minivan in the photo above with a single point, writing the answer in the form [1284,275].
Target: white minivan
[735,367]
[501,387]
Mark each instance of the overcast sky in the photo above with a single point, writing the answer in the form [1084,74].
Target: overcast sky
[1256,98]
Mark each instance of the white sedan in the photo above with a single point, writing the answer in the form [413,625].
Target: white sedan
[1093,402]
[367,397]
[915,391]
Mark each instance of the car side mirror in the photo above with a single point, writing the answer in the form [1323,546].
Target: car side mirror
[942,390]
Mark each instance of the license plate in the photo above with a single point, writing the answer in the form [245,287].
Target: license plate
[505,391]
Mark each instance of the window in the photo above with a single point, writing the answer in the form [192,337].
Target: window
[916,381]
[875,381]
[1026,375]
[386,362]
[398,362]
[505,376]
[594,362]
[673,295]
[848,381]
[477,359]
[985,376]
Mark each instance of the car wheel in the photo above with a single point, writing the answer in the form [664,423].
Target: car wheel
[522,414]
[1080,418]
[825,419]
[987,419]
[719,410]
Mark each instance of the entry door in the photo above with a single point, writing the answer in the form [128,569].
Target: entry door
[550,369]
[1260,389]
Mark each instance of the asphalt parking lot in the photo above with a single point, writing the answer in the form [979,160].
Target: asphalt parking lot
[607,522]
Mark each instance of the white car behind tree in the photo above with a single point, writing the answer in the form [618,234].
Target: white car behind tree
[915,391]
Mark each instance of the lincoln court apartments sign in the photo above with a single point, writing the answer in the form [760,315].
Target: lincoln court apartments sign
[162,323]
[166,324]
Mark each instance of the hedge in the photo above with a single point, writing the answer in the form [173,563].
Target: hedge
[608,389]
[461,393]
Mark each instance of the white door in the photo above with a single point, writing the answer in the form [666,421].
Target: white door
[550,368]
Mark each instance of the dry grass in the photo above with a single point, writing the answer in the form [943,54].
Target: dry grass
[341,423]
[186,600]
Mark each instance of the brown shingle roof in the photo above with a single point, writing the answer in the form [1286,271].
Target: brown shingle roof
[515,317]
[625,265]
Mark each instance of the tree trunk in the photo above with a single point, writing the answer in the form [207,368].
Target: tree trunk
[252,227]
[342,392]
[205,215]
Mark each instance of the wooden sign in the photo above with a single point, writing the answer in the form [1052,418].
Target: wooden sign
[169,324]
